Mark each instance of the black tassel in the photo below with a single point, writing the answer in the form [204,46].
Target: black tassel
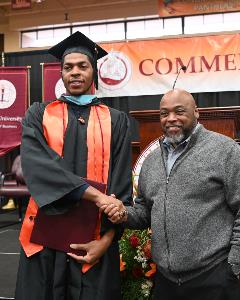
[95,75]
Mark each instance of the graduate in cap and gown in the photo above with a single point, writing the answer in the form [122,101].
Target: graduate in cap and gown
[63,142]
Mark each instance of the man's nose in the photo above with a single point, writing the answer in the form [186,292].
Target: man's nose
[75,70]
[172,117]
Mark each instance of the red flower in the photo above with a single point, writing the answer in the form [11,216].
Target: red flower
[147,249]
[137,272]
[134,241]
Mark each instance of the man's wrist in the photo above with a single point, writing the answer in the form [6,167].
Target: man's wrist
[94,195]
[108,236]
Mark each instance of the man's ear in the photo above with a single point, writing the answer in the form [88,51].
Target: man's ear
[196,112]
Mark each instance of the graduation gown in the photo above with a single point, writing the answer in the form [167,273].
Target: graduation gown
[52,181]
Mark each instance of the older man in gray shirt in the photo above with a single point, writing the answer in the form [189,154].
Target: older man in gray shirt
[189,194]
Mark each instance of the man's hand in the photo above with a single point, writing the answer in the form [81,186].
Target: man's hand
[111,206]
[109,200]
[100,199]
[94,250]
[116,213]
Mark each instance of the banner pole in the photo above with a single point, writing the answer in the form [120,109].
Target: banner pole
[42,66]
[3,59]
[28,69]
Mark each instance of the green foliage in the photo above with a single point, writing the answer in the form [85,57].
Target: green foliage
[135,263]
[131,289]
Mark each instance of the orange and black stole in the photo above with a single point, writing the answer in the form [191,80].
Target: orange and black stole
[55,120]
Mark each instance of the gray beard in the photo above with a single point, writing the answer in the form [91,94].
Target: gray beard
[175,139]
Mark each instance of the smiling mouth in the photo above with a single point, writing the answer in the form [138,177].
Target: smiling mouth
[76,83]
[173,129]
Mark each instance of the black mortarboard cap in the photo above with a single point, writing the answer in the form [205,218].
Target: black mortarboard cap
[79,43]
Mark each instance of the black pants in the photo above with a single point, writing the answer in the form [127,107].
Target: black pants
[219,283]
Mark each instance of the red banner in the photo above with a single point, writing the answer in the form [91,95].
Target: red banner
[173,8]
[13,105]
[21,4]
[52,84]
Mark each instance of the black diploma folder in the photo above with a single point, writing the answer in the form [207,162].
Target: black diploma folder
[77,226]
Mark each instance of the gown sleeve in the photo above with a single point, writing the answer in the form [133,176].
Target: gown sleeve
[120,172]
[46,174]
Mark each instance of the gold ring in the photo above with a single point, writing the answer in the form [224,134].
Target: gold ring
[122,214]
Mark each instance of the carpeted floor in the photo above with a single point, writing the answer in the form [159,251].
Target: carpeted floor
[9,252]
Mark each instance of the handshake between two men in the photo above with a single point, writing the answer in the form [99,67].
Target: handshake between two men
[115,210]
[112,207]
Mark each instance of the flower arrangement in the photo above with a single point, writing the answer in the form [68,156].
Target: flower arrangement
[136,266]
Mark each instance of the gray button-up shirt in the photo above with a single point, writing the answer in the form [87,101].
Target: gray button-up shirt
[174,153]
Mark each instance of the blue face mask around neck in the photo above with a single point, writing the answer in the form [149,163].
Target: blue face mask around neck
[80,100]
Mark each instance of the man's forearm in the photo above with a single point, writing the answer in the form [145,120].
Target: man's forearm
[100,199]
[108,237]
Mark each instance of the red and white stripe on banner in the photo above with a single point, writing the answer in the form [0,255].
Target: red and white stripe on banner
[14,99]
[52,84]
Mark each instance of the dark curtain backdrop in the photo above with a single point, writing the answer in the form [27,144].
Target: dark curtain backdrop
[34,58]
